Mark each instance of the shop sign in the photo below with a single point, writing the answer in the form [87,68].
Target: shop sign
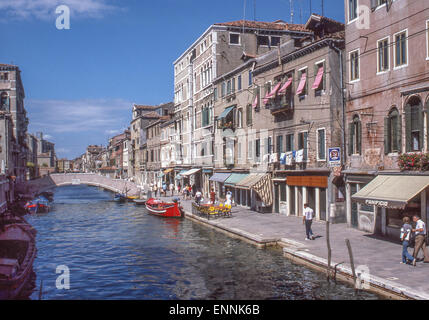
[377,203]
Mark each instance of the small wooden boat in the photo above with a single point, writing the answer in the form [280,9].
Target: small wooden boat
[17,253]
[164,209]
[38,205]
[139,202]
[120,198]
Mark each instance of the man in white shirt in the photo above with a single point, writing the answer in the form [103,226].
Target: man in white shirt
[420,232]
[307,219]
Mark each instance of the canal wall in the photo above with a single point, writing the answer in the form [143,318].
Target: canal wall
[388,277]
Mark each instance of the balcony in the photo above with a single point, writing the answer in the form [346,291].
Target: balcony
[281,104]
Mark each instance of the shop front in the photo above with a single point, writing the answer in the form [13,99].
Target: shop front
[194,177]
[239,195]
[217,181]
[207,173]
[393,197]
[258,192]
[280,195]
[310,189]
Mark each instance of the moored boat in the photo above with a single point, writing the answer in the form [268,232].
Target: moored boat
[38,205]
[164,209]
[17,253]
[139,202]
[119,197]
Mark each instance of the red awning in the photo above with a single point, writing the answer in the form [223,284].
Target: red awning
[285,86]
[255,102]
[273,93]
[319,77]
[301,83]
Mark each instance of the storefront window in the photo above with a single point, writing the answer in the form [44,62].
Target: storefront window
[395,216]
[283,192]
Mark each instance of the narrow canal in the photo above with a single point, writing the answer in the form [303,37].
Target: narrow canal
[118,251]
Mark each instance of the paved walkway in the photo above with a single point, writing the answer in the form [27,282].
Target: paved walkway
[382,256]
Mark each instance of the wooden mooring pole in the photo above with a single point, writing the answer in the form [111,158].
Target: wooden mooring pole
[352,264]
[328,243]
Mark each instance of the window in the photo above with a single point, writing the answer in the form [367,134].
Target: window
[223,89]
[353,6]
[234,38]
[4,76]
[257,148]
[239,118]
[250,78]
[268,145]
[233,85]
[355,132]
[354,65]
[383,55]
[263,40]
[392,132]
[321,85]
[289,142]
[303,143]
[215,94]
[279,144]
[377,3]
[414,124]
[228,87]
[303,82]
[249,115]
[239,82]
[321,145]
[401,50]
[275,41]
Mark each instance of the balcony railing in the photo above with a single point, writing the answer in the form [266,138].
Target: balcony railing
[282,103]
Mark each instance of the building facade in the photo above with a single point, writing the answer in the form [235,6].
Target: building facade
[387,92]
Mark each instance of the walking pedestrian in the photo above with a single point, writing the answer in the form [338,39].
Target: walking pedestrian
[194,189]
[164,189]
[155,189]
[308,220]
[405,238]
[420,232]
[172,188]
[228,198]
[212,196]
[198,197]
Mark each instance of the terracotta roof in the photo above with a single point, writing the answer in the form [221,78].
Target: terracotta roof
[277,25]
[144,107]
[151,114]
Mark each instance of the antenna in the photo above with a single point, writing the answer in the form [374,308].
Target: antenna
[311,10]
[323,14]
[291,11]
[254,10]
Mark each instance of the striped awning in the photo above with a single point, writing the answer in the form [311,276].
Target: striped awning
[190,172]
[261,184]
[219,177]
[235,178]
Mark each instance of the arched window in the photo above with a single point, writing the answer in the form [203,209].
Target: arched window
[392,132]
[414,124]
[355,136]
[4,101]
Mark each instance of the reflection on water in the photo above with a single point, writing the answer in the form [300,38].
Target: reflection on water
[118,251]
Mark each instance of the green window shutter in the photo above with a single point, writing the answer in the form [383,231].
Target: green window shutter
[351,134]
[399,133]
[359,137]
[408,146]
[387,136]
[421,126]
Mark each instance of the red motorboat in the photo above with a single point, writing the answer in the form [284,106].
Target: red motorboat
[165,209]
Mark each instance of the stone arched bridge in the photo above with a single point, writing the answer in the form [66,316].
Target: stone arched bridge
[92,179]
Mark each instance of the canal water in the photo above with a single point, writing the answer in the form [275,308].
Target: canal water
[118,251]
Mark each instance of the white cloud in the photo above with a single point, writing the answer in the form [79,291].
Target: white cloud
[68,116]
[45,9]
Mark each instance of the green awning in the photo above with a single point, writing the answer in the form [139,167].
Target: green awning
[225,112]
[235,178]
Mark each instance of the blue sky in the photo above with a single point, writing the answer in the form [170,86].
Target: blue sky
[80,83]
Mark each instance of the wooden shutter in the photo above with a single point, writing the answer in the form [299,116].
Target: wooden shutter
[408,142]
[359,137]
[421,126]
[399,133]
[351,134]
[387,136]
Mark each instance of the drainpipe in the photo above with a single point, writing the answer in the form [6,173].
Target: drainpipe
[343,100]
